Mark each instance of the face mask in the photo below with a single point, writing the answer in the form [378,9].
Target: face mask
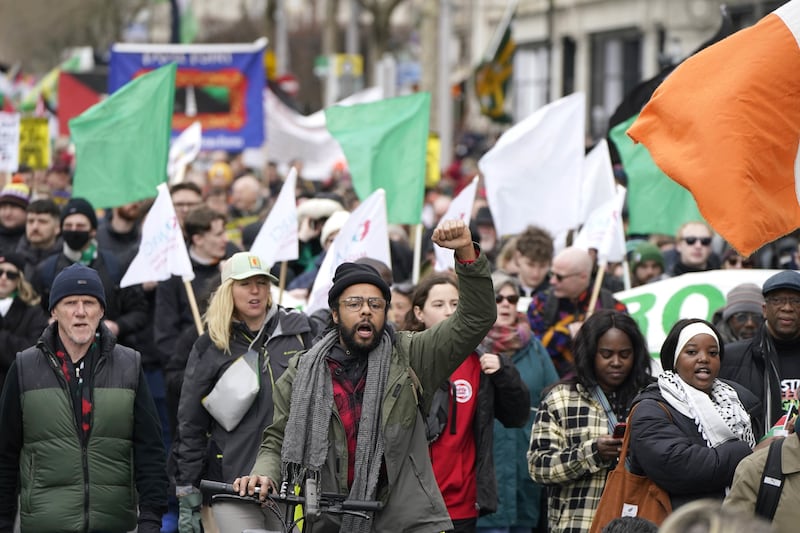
[76,240]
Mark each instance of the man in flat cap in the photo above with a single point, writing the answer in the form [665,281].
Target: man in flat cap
[80,438]
[769,363]
[362,385]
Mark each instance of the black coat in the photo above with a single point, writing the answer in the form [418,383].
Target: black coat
[753,363]
[19,329]
[673,453]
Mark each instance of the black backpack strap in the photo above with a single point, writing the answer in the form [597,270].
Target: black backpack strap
[769,491]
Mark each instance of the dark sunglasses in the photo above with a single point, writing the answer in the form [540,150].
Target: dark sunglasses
[561,277]
[705,241]
[9,274]
[512,298]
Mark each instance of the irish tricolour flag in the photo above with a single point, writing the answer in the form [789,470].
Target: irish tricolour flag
[726,125]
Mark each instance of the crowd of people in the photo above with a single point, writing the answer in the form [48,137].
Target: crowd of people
[492,398]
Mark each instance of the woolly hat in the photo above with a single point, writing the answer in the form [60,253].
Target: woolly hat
[334,223]
[646,251]
[484,217]
[15,259]
[785,279]
[352,273]
[81,207]
[77,280]
[743,298]
[17,194]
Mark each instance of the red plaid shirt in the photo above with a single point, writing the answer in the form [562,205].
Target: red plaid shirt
[348,397]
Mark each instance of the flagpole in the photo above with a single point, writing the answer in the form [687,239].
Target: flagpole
[193,305]
[417,253]
[598,282]
[282,281]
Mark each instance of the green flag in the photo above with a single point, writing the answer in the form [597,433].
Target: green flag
[122,143]
[385,143]
[656,204]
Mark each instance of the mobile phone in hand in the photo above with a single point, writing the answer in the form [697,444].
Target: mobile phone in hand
[619,430]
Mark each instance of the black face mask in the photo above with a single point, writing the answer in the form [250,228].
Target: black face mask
[76,240]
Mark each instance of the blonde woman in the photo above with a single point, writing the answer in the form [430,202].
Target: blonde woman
[22,319]
[241,319]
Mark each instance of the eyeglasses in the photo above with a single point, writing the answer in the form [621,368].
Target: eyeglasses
[561,277]
[743,317]
[705,241]
[511,298]
[780,301]
[9,274]
[355,303]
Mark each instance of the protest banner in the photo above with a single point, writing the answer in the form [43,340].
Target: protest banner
[219,85]
[34,142]
[657,306]
[292,136]
[9,142]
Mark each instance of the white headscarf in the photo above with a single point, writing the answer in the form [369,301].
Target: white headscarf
[720,416]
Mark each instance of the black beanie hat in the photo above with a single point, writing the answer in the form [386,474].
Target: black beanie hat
[82,207]
[15,259]
[352,273]
[74,280]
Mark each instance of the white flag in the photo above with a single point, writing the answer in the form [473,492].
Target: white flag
[9,142]
[277,239]
[603,230]
[598,180]
[365,234]
[183,151]
[295,136]
[162,250]
[533,173]
[460,209]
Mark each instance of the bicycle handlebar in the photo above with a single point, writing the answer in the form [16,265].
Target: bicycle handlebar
[327,501]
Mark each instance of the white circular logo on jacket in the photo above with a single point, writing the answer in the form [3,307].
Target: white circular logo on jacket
[463,390]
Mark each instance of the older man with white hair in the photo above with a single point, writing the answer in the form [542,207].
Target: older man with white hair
[556,314]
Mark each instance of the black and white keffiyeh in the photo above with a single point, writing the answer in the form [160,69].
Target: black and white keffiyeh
[720,417]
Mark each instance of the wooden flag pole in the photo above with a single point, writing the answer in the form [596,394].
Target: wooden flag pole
[417,253]
[598,282]
[193,305]
[282,281]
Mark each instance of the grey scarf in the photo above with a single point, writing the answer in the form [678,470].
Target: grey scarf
[305,443]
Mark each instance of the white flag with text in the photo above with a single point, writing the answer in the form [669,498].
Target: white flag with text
[162,250]
[365,234]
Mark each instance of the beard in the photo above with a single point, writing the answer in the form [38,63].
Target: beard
[357,346]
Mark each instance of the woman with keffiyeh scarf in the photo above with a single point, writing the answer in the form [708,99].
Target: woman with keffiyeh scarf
[691,429]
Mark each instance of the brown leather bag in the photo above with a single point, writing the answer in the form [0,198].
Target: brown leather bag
[627,494]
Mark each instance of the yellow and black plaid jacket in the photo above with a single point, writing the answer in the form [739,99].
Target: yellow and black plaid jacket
[562,456]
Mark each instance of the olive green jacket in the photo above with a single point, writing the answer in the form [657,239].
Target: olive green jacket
[421,360]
